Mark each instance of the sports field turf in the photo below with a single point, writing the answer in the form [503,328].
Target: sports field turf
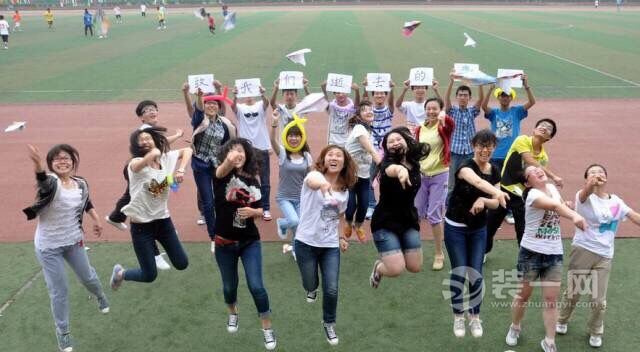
[184,311]
[567,54]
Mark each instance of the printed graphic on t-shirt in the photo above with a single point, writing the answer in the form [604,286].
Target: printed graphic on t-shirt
[239,193]
[330,214]
[340,119]
[549,228]
[612,225]
[156,189]
[504,128]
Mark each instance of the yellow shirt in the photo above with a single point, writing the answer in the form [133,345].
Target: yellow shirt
[48,16]
[160,15]
[432,164]
[513,169]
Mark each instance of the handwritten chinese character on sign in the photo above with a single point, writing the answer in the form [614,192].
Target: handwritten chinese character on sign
[203,81]
[378,82]
[248,87]
[339,83]
[291,80]
[421,76]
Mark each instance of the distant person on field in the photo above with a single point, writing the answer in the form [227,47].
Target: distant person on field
[143,10]
[161,18]
[4,32]
[17,18]
[212,24]
[48,16]
[118,13]
[88,22]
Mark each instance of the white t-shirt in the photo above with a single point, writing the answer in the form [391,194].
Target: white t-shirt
[603,217]
[116,10]
[143,7]
[414,112]
[542,227]
[4,27]
[320,216]
[58,222]
[356,150]
[149,190]
[339,122]
[252,125]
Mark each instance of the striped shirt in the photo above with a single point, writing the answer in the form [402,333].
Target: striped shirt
[465,128]
[381,125]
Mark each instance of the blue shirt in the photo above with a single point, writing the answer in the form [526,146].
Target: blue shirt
[464,130]
[88,20]
[506,126]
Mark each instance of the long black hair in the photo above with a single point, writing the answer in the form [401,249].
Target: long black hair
[156,132]
[252,158]
[414,153]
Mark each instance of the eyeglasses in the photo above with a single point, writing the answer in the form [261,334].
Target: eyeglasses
[148,110]
[61,158]
[251,114]
[486,146]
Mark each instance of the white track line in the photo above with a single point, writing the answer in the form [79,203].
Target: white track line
[24,287]
[541,52]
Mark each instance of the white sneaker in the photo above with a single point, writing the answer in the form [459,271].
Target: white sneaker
[512,336]
[269,339]
[458,326]
[286,248]
[213,247]
[118,225]
[232,323]
[509,219]
[161,263]
[201,220]
[595,341]
[369,213]
[312,296]
[475,326]
[548,347]
[266,215]
[281,231]
[561,328]
[330,333]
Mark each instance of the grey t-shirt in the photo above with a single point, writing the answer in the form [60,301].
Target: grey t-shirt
[292,173]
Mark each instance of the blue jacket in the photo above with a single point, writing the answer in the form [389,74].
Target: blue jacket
[88,19]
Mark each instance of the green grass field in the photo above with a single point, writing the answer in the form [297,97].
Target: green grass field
[184,311]
[581,54]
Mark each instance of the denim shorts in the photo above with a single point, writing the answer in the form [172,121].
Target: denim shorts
[388,242]
[533,266]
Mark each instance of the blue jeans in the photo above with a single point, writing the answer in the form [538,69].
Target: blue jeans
[291,211]
[203,174]
[328,259]
[144,237]
[265,179]
[358,201]
[388,242]
[251,254]
[456,161]
[466,252]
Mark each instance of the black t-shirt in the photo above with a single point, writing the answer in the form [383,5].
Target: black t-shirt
[464,195]
[232,192]
[396,211]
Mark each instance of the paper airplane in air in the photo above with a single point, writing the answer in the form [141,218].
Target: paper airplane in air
[298,56]
[470,41]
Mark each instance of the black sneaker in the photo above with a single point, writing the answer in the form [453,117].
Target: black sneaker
[312,296]
[330,333]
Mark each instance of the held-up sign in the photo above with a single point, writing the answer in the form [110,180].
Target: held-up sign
[421,76]
[248,87]
[339,83]
[462,69]
[291,80]
[204,82]
[378,82]
[508,78]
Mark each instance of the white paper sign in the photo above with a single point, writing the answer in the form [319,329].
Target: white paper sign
[378,82]
[421,76]
[506,79]
[248,87]
[339,83]
[204,82]
[291,80]
[461,69]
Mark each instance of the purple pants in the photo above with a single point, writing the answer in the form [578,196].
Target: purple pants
[432,196]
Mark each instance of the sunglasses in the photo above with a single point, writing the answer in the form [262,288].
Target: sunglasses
[251,114]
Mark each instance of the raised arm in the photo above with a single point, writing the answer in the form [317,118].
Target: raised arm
[187,99]
[138,164]
[265,101]
[480,97]
[531,99]
[323,87]
[273,138]
[447,94]
[485,101]
[274,95]
[365,94]
[400,99]
[391,107]
[305,85]
[356,94]
[179,133]
[234,104]
[435,87]
[185,158]
[34,155]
